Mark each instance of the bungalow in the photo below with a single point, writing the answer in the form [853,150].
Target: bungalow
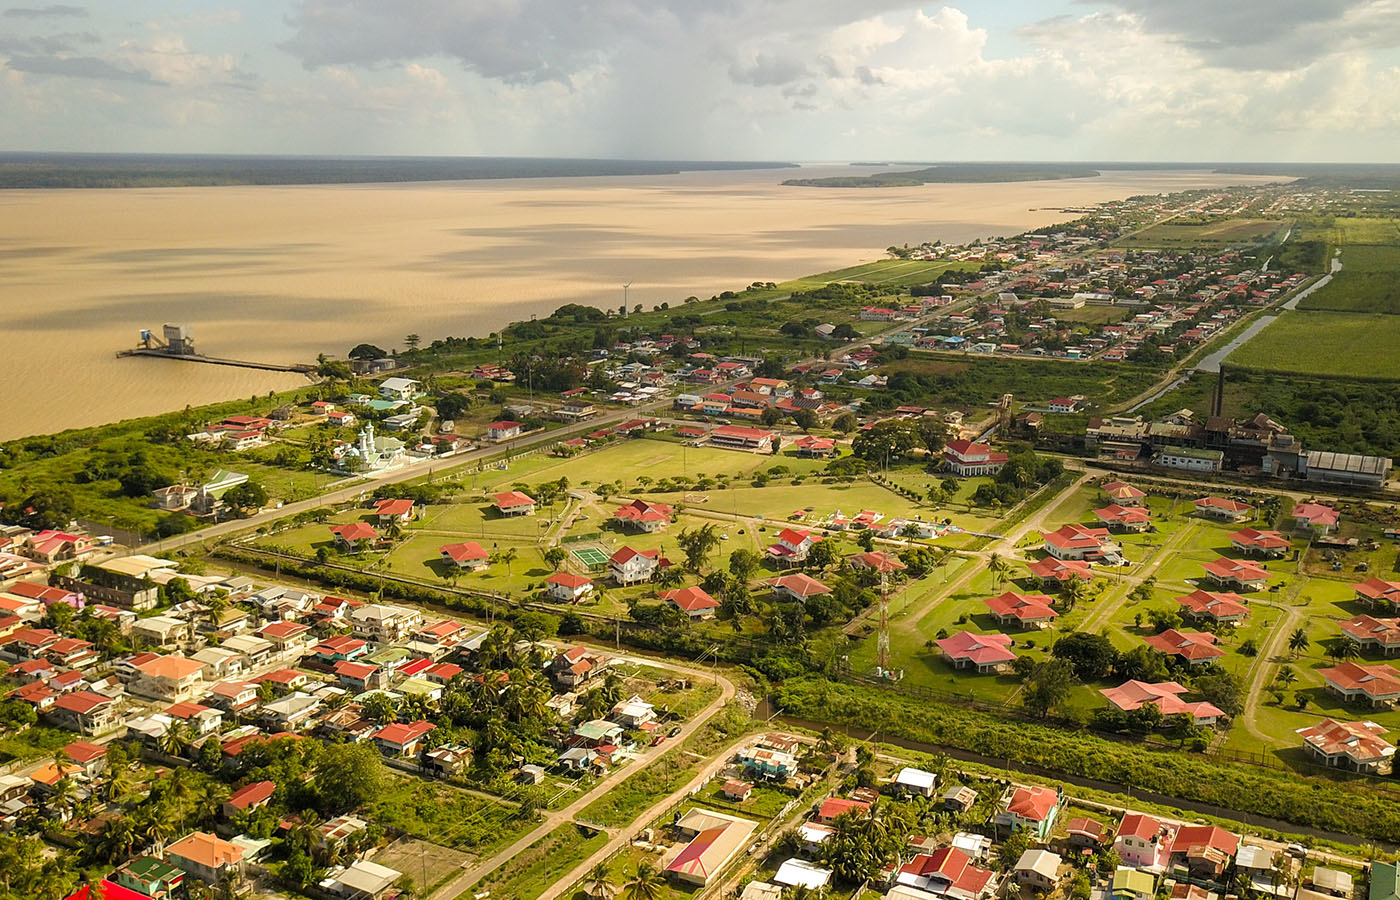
[967,459]
[206,857]
[741,437]
[337,648]
[1144,843]
[565,587]
[797,587]
[597,733]
[1316,517]
[792,546]
[1064,405]
[736,790]
[833,808]
[1123,494]
[91,757]
[1125,518]
[634,712]
[1052,572]
[1026,610]
[169,678]
[248,798]
[84,712]
[1236,573]
[504,430]
[1373,591]
[287,637]
[1085,832]
[1356,746]
[514,503]
[1268,544]
[348,537]
[1378,684]
[467,555]
[1192,647]
[710,851]
[402,738]
[200,718]
[776,765]
[233,696]
[1080,542]
[398,388]
[693,601]
[639,515]
[983,652]
[43,594]
[340,418]
[1165,695]
[876,561]
[1222,510]
[1382,635]
[814,447]
[1131,884]
[1039,870]
[361,880]
[291,713]
[628,566]
[392,509]
[1031,809]
[1221,608]
[146,876]
[359,677]
[947,872]
[915,781]
[1204,851]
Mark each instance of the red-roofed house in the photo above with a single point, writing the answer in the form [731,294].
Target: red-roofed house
[85,712]
[1031,809]
[816,447]
[1192,647]
[1267,544]
[793,545]
[92,757]
[1373,591]
[628,566]
[1218,607]
[1239,574]
[1026,610]
[1123,494]
[693,601]
[1165,695]
[983,652]
[249,797]
[1374,634]
[390,509]
[514,503]
[170,678]
[1144,843]
[947,872]
[467,555]
[876,561]
[1125,518]
[741,437]
[360,677]
[504,430]
[1378,684]
[710,851]
[401,738]
[1356,746]
[46,595]
[1222,510]
[566,587]
[1317,517]
[798,587]
[834,807]
[968,459]
[640,515]
[1052,572]
[1079,542]
[1205,850]
[347,537]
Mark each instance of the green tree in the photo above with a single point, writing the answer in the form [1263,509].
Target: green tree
[647,884]
[1223,689]
[555,557]
[744,564]
[367,351]
[1048,686]
[886,442]
[411,341]
[246,496]
[998,567]
[1298,642]
[348,776]
[822,555]
[845,423]
[697,544]
[1092,656]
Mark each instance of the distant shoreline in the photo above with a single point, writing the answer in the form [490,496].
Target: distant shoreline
[954,173]
[48,171]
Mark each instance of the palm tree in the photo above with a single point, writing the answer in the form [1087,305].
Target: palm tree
[1344,648]
[393,529]
[998,567]
[176,739]
[1073,592]
[598,885]
[1298,642]
[509,557]
[118,839]
[1287,676]
[647,884]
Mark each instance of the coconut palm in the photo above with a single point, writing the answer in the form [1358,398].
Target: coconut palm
[1298,642]
[1344,648]
[176,739]
[508,557]
[393,529]
[647,884]
[1287,676]
[998,567]
[598,885]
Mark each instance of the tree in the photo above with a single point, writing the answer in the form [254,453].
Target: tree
[1092,656]
[509,557]
[886,442]
[554,557]
[998,568]
[598,885]
[845,423]
[1222,689]
[367,351]
[1181,727]
[933,433]
[821,555]
[411,341]
[1343,648]
[348,776]
[1011,849]
[1286,676]
[697,544]
[770,416]
[1048,686]
[1298,642]
[246,496]
[744,564]
[805,419]
[647,884]
[866,540]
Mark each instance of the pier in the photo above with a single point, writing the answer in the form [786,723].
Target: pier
[177,342]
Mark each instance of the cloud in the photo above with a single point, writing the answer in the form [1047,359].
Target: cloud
[55,11]
[79,67]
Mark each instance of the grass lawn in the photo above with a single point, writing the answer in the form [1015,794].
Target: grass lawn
[1327,343]
[1093,315]
[446,816]
[541,864]
[763,804]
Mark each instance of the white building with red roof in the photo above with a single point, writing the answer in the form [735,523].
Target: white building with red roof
[566,587]
[1166,696]
[639,515]
[1125,518]
[467,555]
[392,509]
[1379,685]
[967,459]
[948,872]
[1192,647]
[1123,494]
[348,536]
[1052,572]
[1025,610]
[798,587]
[629,566]
[742,437]
[1374,590]
[983,652]
[693,601]
[401,738]
[514,503]
[814,447]
[1032,809]
[876,561]
[504,430]
[1080,542]
[1224,608]
[1355,746]
[1239,574]
[1222,509]
[1317,517]
[1268,544]
[1144,842]
[1370,633]
[792,546]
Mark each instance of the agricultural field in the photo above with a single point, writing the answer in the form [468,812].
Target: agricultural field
[1214,235]
[969,381]
[1323,342]
[894,272]
[1367,283]
[1093,315]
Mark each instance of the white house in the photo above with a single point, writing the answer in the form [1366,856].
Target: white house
[398,388]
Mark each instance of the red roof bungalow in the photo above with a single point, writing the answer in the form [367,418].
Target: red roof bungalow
[514,503]
[1165,695]
[1260,543]
[1222,510]
[947,872]
[983,652]
[876,561]
[835,807]
[466,555]
[1236,573]
[1374,634]
[798,587]
[967,459]
[643,516]
[1026,610]
[249,797]
[1204,849]
[1124,518]
[84,711]
[1218,607]
[45,594]
[793,545]
[1079,542]
[1143,842]
[360,677]
[1373,591]
[566,587]
[693,601]
[1051,571]
[814,447]
[1318,517]
[1123,494]
[340,647]
[389,510]
[1356,746]
[1192,647]
[741,437]
[1379,684]
[401,738]
[348,537]
[92,757]
[504,430]
[1030,808]
[288,679]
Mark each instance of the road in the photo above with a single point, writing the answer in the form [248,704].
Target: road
[553,819]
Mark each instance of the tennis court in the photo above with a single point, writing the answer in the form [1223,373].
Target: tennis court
[590,557]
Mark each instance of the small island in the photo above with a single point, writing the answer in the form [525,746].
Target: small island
[952,173]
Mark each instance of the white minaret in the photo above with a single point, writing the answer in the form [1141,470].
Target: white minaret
[367,442]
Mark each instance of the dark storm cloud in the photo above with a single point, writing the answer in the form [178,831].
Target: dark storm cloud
[56,11]
[79,67]
[1267,34]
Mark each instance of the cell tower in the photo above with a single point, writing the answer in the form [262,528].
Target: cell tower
[882,638]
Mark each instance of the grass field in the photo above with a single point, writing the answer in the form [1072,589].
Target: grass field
[1367,283]
[1208,236]
[895,272]
[541,864]
[1326,343]
[1093,315]
[1367,231]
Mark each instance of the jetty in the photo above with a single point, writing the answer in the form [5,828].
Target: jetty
[177,342]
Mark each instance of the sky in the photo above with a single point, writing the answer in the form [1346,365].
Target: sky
[793,80]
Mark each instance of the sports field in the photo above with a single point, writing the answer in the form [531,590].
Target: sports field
[591,557]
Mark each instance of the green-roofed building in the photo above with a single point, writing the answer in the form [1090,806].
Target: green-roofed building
[1385,881]
[149,876]
[1133,884]
[221,481]
[420,687]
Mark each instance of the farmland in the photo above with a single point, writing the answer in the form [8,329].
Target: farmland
[1366,284]
[1324,342]
[1212,235]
